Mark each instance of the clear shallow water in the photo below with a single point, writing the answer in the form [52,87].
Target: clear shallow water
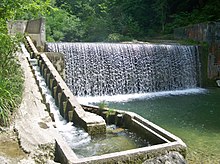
[195,118]
[115,140]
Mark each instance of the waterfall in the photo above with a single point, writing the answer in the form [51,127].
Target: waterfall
[97,69]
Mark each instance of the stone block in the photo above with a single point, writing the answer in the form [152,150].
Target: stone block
[96,128]
[17,26]
[52,84]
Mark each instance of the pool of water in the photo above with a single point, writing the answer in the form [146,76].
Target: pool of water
[115,140]
[195,118]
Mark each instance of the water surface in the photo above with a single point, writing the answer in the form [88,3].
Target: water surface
[192,117]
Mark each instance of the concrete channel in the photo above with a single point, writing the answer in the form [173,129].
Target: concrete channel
[93,120]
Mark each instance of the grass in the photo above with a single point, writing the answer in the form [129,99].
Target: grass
[10,96]
[102,105]
[11,78]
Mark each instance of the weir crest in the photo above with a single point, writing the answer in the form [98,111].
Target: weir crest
[97,69]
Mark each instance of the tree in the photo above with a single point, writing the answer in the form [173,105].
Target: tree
[62,26]
[160,7]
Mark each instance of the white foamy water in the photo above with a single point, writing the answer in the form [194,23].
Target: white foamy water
[98,69]
[129,97]
[74,136]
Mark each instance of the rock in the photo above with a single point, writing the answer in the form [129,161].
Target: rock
[170,158]
[218,82]
[43,125]
[4,160]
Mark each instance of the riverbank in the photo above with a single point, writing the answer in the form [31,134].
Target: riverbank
[31,137]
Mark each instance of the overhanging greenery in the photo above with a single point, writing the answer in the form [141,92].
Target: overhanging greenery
[11,78]
[91,20]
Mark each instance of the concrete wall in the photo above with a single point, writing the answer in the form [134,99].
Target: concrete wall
[57,59]
[205,32]
[73,111]
[17,26]
[34,28]
[69,108]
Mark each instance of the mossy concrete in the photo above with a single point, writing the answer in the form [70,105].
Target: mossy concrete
[209,33]
[34,28]
[57,59]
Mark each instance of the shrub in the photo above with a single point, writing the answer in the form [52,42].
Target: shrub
[11,80]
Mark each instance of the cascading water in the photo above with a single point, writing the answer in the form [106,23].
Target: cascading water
[74,136]
[116,139]
[97,69]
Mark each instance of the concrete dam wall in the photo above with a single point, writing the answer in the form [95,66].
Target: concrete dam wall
[165,144]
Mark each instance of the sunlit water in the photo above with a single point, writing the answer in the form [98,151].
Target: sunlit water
[115,140]
[97,69]
[192,116]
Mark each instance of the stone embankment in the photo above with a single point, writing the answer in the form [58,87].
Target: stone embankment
[208,32]
[34,129]
[33,124]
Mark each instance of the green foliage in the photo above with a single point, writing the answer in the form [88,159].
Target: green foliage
[7,48]
[11,81]
[118,20]
[7,6]
[102,105]
[115,20]
[206,11]
[24,9]
[110,112]
[61,26]
[10,96]
[115,37]
[160,7]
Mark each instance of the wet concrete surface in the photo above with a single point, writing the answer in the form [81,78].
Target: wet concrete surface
[10,151]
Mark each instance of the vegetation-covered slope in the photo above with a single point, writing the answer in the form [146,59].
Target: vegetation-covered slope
[104,20]
[11,79]
[91,20]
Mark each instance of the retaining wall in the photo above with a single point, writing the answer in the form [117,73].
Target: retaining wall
[69,108]
[162,141]
[208,32]
[57,59]
[34,28]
